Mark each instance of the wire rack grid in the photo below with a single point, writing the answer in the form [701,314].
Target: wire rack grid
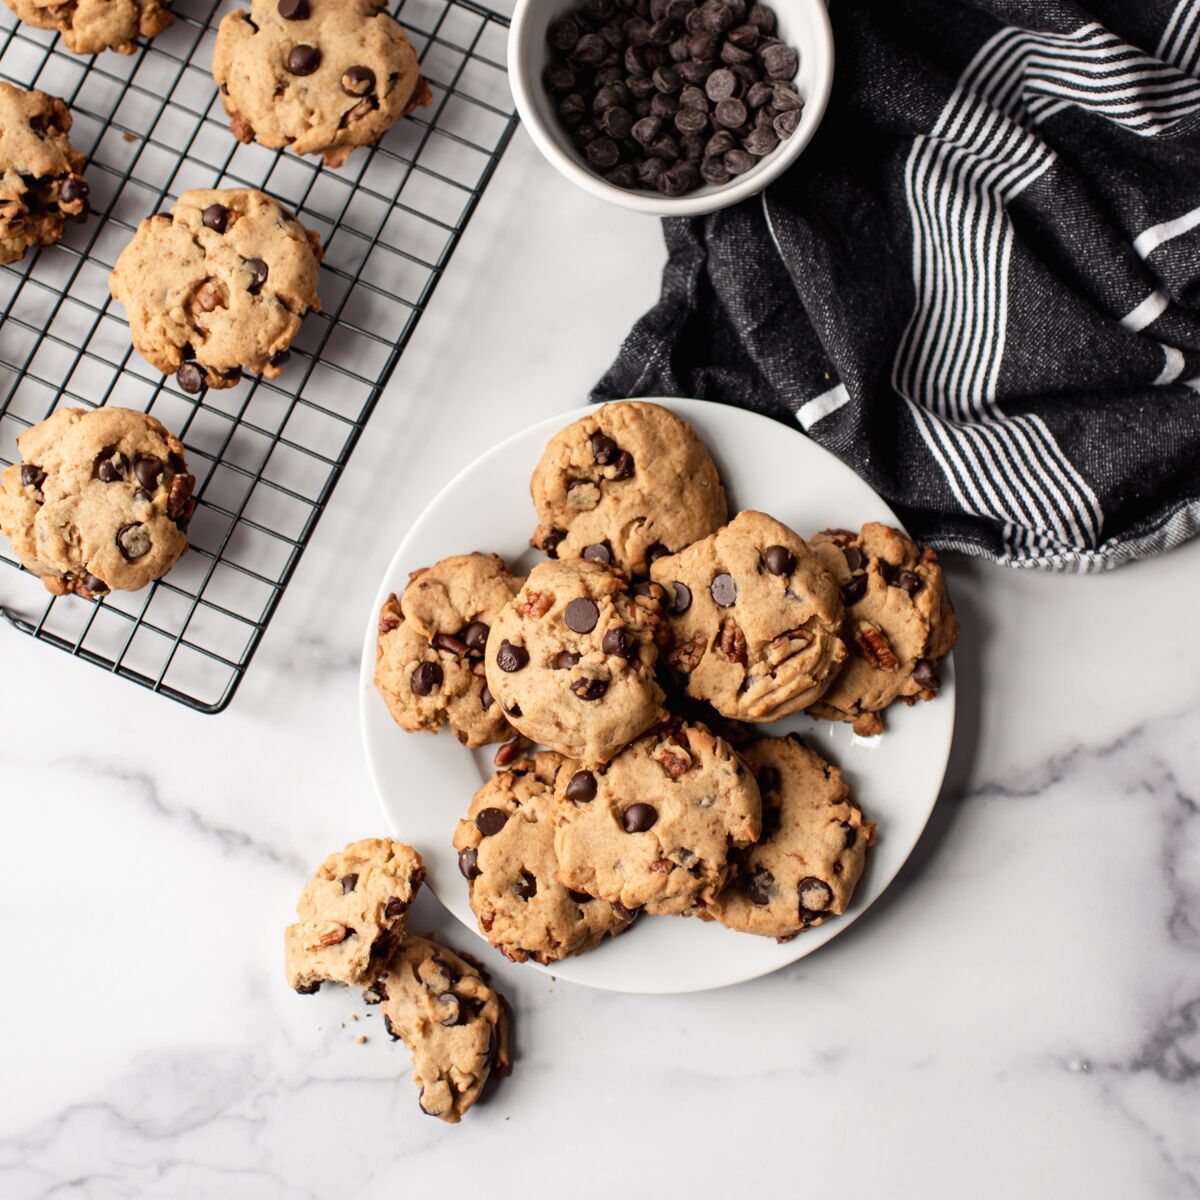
[267,453]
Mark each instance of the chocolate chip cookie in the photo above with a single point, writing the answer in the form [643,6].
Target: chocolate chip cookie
[218,287]
[571,659]
[455,1025]
[626,484]
[351,913]
[754,619]
[89,26]
[655,828]
[320,76]
[506,852]
[805,866]
[899,622]
[41,176]
[100,501]
[429,665]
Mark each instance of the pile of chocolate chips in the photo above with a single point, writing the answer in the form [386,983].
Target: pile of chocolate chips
[669,94]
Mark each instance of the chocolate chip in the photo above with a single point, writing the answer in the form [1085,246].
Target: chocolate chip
[73,189]
[565,660]
[258,275]
[589,689]
[591,50]
[604,449]
[475,635]
[731,113]
[815,897]
[851,835]
[148,470]
[623,175]
[94,584]
[511,658]
[925,674]
[490,821]
[617,123]
[760,142]
[293,10]
[457,1014]
[603,153]
[525,888]
[616,641]
[600,552]
[32,477]
[779,560]
[582,787]
[579,897]
[855,559]
[572,109]
[110,465]
[637,818]
[216,218]
[486,699]
[786,123]
[908,581]
[581,615]
[303,60]
[358,81]
[513,710]
[721,85]
[854,591]
[348,882]
[133,540]
[563,35]
[714,171]
[450,644]
[758,886]
[623,465]
[551,540]
[468,863]
[737,162]
[426,678]
[768,779]
[681,599]
[559,77]
[655,551]
[691,120]
[190,378]
[723,589]
[626,914]
[779,61]
[395,907]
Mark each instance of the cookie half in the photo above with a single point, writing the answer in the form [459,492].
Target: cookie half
[626,484]
[452,1021]
[754,619]
[41,174]
[656,827]
[571,659]
[318,76]
[100,501]
[805,866]
[217,287]
[899,622]
[351,912]
[506,853]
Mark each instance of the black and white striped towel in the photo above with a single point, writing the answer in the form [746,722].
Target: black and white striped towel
[980,285]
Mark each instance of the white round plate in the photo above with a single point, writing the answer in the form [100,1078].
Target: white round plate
[426,783]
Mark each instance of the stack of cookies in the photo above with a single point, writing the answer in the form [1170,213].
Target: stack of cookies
[628,676]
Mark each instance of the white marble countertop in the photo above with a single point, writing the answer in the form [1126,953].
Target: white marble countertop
[1019,1015]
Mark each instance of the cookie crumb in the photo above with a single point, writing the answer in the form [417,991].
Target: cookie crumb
[360,1040]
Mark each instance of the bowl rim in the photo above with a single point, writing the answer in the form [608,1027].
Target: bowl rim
[703,200]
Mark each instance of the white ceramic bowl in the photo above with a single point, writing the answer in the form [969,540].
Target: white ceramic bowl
[803,24]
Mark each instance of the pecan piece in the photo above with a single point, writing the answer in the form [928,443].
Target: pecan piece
[242,130]
[663,866]
[673,760]
[510,752]
[873,646]
[788,644]
[209,295]
[389,619]
[180,504]
[686,658]
[325,933]
[731,641]
[536,604]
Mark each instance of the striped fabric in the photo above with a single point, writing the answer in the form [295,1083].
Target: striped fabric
[981,289]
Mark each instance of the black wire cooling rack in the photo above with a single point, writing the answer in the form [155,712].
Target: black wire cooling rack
[266,454]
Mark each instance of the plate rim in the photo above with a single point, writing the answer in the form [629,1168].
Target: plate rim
[550,425]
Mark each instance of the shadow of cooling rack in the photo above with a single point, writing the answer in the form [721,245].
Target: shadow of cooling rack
[266,454]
